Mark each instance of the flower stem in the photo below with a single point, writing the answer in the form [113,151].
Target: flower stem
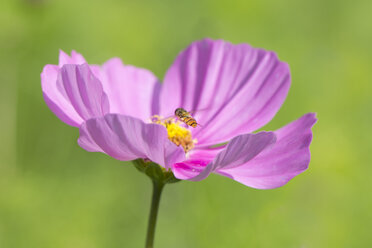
[156,193]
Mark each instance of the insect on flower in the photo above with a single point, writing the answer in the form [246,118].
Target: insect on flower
[118,109]
[186,117]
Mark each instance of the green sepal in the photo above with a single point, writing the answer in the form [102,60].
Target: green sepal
[155,172]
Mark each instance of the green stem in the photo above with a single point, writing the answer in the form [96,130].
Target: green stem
[156,193]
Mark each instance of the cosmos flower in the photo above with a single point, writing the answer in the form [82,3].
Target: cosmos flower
[232,90]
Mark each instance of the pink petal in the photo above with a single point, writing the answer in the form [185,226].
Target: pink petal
[132,91]
[234,89]
[196,162]
[83,90]
[75,58]
[274,167]
[127,138]
[76,95]
[206,153]
[72,92]
[237,152]
[54,98]
[190,169]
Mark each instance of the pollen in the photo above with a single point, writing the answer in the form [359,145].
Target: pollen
[178,134]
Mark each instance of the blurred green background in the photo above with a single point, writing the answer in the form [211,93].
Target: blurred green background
[55,194]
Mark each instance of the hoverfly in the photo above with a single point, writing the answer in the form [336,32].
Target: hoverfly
[186,117]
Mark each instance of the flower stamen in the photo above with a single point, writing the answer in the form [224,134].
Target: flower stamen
[176,133]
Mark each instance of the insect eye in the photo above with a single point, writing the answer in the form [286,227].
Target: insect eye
[178,111]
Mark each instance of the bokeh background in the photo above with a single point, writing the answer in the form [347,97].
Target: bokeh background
[55,194]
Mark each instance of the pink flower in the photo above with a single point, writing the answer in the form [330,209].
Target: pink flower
[233,89]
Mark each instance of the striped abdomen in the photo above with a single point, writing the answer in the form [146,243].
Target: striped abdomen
[188,120]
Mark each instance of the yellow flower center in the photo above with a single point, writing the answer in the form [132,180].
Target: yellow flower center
[176,133]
